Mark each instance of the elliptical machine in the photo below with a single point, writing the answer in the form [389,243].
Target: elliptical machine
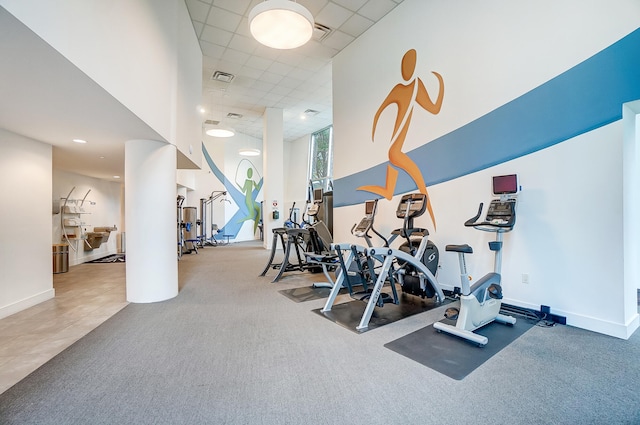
[480,302]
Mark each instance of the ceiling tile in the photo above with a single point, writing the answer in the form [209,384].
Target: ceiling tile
[211,50]
[272,78]
[356,25]
[338,40]
[243,44]
[282,89]
[314,6]
[280,68]
[333,15]
[237,6]
[250,72]
[198,26]
[290,82]
[198,10]
[376,9]
[263,86]
[313,64]
[235,56]
[223,19]
[300,74]
[259,63]
[352,5]
[216,35]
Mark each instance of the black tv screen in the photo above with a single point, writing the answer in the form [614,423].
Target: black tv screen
[507,184]
[368,207]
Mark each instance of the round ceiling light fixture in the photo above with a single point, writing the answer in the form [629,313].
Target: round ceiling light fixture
[220,131]
[281,24]
[249,152]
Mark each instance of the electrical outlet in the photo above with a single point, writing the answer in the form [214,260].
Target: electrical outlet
[525,278]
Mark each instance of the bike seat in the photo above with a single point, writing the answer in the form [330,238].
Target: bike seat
[459,248]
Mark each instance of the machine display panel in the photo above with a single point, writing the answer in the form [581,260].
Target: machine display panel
[368,207]
[507,184]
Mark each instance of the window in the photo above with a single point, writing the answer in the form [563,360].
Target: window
[321,159]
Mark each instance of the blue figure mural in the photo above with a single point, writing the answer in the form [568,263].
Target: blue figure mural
[248,187]
[245,199]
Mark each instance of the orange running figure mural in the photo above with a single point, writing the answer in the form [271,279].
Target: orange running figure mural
[405,96]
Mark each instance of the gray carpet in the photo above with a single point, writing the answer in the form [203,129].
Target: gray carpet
[231,350]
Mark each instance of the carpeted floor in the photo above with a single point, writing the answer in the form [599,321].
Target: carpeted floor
[230,349]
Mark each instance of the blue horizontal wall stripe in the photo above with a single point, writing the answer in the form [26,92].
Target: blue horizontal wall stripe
[585,97]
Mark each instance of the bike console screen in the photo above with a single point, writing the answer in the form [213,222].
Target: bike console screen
[505,185]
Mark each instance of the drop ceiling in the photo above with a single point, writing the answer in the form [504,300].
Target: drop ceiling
[253,78]
[298,81]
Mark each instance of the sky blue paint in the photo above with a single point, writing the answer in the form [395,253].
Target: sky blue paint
[234,224]
[585,97]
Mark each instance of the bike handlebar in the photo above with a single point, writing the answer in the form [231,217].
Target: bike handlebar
[493,226]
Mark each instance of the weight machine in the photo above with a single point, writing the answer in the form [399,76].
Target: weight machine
[208,229]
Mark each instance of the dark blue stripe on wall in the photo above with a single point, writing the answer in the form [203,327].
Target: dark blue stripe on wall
[579,100]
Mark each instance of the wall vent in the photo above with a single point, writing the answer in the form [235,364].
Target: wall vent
[320,32]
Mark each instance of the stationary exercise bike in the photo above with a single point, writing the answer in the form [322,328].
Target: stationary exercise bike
[480,302]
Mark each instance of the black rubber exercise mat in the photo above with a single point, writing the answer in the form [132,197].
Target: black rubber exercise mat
[349,314]
[307,293]
[454,356]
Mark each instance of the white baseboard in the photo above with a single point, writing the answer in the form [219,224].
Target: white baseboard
[593,324]
[24,304]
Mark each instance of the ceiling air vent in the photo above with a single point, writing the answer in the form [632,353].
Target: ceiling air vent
[320,32]
[222,76]
[234,116]
[211,122]
[311,112]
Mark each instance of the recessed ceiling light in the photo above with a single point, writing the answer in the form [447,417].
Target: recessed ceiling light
[79,141]
[102,157]
[116,177]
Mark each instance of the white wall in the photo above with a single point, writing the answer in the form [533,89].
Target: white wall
[490,53]
[104,207]
[296,166]
[26,260]
[144,53]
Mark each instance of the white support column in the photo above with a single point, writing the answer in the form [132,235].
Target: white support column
[631,212]
[273,171]
[150,216]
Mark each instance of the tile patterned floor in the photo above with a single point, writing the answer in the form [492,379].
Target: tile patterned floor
[85,297]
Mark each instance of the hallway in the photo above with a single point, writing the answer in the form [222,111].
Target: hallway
[86,296]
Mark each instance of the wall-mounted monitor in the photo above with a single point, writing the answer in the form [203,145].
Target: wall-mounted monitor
[504,185]
[369,206]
